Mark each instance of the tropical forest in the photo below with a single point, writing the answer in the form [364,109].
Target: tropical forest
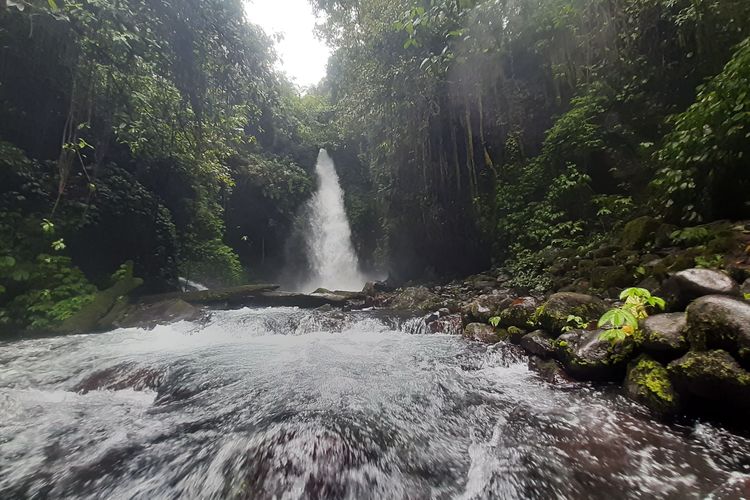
[337,249]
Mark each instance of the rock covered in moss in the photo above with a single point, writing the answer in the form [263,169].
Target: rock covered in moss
[663,335]
[539,343]
[553,315]
[482,332]
[486,306]
[648,383]
[519,313]
[639,232]
[720,322]
[585,356]
[513,334]
[690,284]
[712,376]
[416,298]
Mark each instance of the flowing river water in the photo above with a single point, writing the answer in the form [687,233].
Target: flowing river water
[283,403]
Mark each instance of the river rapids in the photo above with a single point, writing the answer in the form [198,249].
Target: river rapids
[283,403]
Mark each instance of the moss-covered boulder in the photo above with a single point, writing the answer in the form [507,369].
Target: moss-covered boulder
[614,276]
[585,356]
[664,335]
[553,315]
[482,332]
[648,383]
[720,322]
[713,377]
[519,313]
[89,318]
[417,298]
[484,307]
[690,284]
[639,232]
[539,343]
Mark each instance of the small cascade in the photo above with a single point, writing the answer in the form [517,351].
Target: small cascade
[333,262]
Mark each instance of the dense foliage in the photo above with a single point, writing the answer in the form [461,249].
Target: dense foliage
[496,130]
[129,129]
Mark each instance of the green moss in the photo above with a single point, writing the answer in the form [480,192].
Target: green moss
[648,382]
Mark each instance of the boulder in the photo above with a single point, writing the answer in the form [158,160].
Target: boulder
[639,232]
[90,317]
[553,315]
[664,335]
[150,315]
[485,307]
[482,332]
[712,377]
[236,296]
[549,370]
[539,343]
[416,298]
[690,284]
[512,334]
[720,322]
[519,312]
[648,383]
[585,356]
[451,324]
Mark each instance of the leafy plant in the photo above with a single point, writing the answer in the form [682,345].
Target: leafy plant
[574,322]
[621,322]
[691,236]
[712,262]
[494,321]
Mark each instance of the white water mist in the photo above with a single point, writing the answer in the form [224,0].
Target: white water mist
[334,265]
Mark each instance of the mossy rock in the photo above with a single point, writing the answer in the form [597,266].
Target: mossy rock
[713,377]
[515,334]
[664,335]
[720,322]
[519,313]
[605,278]
[416,299]
[539,343]
[485,333]
[639,232]
[648,383]
[89,318]
[553,315]
[484,307]
[585,356]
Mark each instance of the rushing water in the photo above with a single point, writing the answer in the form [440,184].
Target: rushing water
[334,264]
[282,403]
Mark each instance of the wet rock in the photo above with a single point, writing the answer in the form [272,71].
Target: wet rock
[519,312]
[98,314]
[512,334]
[482,332]
[549,370]
[720,322]
[712,376]
[451,324]
[639,232]
[614,276]
[553,315]
[689,284]
[664,335]
[159,313]
[587,357]
[648,383]
[416,298]
[485,307]
[539,343]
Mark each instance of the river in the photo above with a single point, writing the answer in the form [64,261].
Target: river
[283,403]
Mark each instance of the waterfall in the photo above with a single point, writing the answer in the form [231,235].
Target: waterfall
[328,240]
